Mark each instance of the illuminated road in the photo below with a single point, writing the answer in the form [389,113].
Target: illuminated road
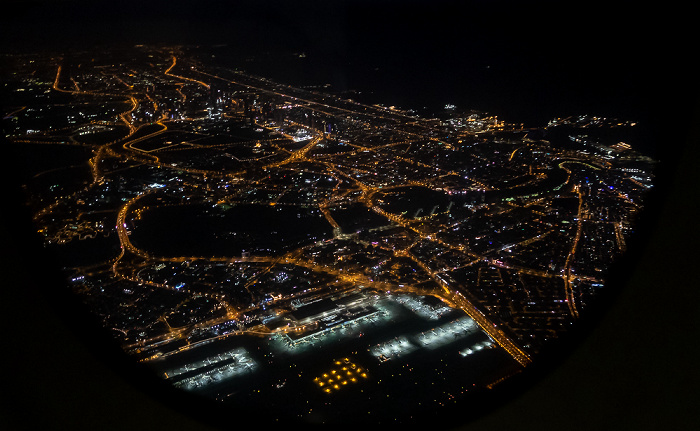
[567,266]
[167,72]
[399,121]
[451,296]
[355,167]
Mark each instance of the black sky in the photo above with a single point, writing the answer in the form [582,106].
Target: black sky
[609,57]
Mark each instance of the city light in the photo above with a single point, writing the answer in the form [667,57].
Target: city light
[234,233]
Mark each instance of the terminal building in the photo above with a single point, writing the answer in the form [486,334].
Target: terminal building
[326,315]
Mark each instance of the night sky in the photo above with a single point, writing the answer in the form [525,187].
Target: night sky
[546,57]
[637,369]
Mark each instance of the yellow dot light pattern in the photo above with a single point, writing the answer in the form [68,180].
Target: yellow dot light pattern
[343,373]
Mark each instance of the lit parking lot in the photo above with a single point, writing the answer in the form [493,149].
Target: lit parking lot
[237,362]
[447,333]
[393,348]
